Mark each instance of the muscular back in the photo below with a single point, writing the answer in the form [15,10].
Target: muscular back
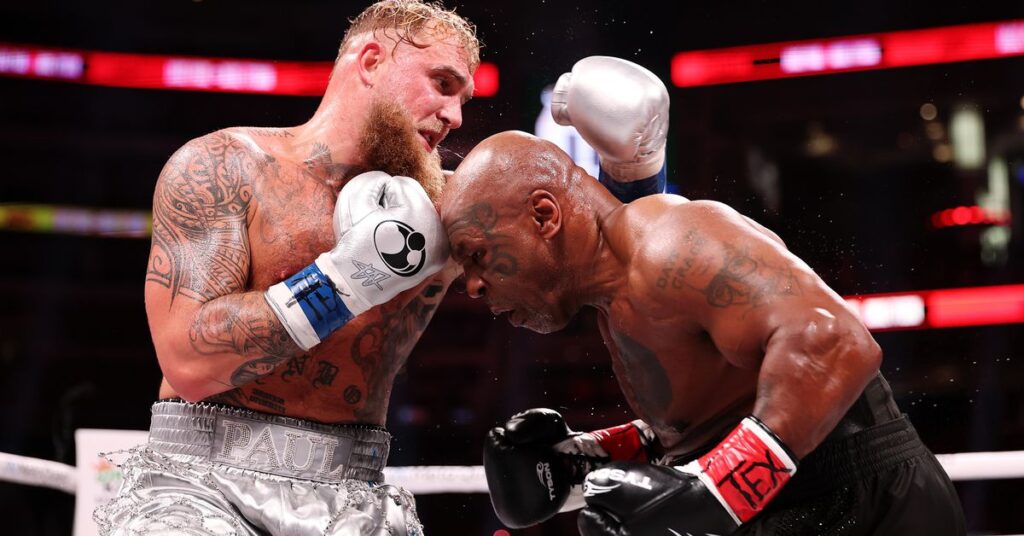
[705,290]
[235,213]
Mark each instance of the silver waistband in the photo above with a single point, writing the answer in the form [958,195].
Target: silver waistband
[272,444]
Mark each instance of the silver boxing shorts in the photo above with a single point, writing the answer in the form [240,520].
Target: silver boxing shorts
[220,470]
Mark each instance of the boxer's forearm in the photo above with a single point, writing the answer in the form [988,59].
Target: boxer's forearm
[233,340]
[811,374]
[229,342]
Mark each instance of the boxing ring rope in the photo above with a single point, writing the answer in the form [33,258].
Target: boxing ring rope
[430,479]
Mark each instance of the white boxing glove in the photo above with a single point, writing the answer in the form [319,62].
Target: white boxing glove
[360,196]
[620,109]
[394,241]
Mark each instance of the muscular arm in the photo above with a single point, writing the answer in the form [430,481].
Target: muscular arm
[815,366]
[766,309]
[210,335]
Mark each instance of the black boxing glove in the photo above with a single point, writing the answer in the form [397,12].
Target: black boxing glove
[535,462]
[713,494]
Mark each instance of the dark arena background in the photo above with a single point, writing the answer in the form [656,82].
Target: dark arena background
[883,141]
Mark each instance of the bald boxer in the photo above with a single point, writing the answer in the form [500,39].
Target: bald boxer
[761,407]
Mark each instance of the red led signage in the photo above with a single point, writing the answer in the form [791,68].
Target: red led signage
[847,54]
[186,73]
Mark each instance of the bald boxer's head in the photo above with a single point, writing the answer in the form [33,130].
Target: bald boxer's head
[516,212]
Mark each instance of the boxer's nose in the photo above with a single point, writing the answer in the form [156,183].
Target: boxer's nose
[475,286]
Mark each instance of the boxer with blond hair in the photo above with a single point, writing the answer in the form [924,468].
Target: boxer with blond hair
[292,270]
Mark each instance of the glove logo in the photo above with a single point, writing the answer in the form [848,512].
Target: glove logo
[591,485]
[372,275]
[544,476]
[591,489]
[402,248]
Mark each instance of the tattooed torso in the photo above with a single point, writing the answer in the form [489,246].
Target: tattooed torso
[672,372]
[288,214]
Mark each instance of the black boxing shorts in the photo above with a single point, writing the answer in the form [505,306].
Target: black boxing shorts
[871,476]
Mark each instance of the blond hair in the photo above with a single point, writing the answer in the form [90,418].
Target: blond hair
[410,19]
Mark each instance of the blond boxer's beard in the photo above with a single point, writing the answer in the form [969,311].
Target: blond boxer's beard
[391,144]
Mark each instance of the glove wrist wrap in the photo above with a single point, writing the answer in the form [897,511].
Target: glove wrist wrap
[746,470]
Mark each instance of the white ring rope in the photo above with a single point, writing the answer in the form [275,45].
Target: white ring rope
[983,465]
[38,472]
[427,479]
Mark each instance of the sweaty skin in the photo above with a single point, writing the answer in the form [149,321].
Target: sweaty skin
[241,209]
[707,316]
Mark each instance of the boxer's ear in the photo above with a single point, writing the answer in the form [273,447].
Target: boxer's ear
[368,60]
[546,213]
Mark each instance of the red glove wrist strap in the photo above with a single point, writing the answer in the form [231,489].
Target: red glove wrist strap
[747,469]
[622,443]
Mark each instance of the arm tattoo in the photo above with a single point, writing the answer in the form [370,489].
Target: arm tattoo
[747,280]
[200,249]
[242,324]
[739,279]
[253,370]
[480,220]
[382,347]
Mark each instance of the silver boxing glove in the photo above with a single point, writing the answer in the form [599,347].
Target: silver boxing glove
[620,109]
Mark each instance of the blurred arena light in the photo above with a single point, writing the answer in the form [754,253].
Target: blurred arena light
[943,308]
[486,80]
[995,199]
[934,130]
[76,221]
[149,71]
[943,152]
[847,54]
[928,111]
[967,133]
[969,215]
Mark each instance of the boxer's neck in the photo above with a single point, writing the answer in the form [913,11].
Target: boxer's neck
[333,133]
[602,268]
[326,142]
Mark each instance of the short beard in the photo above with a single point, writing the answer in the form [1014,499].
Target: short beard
[390,143]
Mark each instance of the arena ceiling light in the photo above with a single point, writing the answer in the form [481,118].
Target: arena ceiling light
[848,54]
[271,77]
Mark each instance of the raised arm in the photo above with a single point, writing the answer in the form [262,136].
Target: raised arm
[621,109]
[210,334]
